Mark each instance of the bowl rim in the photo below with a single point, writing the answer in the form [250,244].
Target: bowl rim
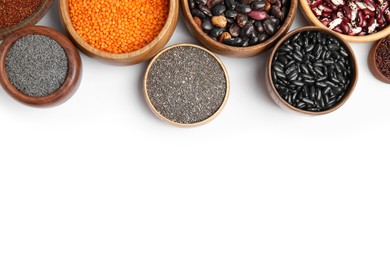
[32,19]
[165,119]
[217,45]
[72,81]
[373,65]
[354,65]
[309,15]
[64,12]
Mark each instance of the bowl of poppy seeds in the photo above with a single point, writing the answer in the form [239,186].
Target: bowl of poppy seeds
[186,85]
[39,66]
[239,28]
[17,14]
[120,32]
[354,20]
[379,60]
[312,71]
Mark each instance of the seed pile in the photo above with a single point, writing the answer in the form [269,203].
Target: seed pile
[383,57]
[239,23]
[118,26]
[352,17]
[186,85]
[14,11]
[37,65]
[312,71]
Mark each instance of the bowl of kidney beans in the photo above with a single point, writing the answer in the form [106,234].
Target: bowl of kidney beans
[311,70]
[355,20]
[240,28]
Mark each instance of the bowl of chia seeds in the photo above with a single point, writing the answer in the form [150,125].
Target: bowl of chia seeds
[239,28]
[311,70]
[17,14]
[39,66]
[186,85]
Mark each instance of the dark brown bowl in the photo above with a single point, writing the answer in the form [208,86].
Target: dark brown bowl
[29,21]
[227,50]
[284,104]
[74,74]
[373,64]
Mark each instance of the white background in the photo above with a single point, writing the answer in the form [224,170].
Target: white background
[100,177]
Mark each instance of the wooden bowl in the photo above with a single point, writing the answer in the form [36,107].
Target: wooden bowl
[309,15]
[128,58]
[165,119]
[283,103]
[373,64]
[74,72]
[232,51]
[30,20]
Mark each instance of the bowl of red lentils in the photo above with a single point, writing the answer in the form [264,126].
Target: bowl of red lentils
[17,14]
[354,20]
[120,32]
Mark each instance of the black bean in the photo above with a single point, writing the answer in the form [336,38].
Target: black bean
[247,30]
[243,8]
[230,4]
[235,41]
[216,32]
[234,30]
[218,10]
[205,10]
[231,14]
[259,26]
[258,5]
[198,13]
[207,25]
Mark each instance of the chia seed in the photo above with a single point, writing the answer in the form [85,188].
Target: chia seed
[37,65]
[186,85]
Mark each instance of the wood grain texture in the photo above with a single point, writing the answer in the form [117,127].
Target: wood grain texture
[163,118]
[129,58]
[29,21]
[372,64]
[283,103]
[74,74]
[311,18]
[242,52]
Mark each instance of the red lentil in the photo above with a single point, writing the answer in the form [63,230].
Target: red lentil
[14,11]
[118,26]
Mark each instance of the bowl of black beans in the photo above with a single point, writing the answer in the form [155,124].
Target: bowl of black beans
[311,70]
[239,28]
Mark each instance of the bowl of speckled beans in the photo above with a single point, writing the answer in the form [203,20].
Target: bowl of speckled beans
[39,66]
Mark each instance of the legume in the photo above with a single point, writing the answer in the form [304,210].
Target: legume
[383,57]
[239,23]
[118,26]
[15,11]
[312,71]
[352,17]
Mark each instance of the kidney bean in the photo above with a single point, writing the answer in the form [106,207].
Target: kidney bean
[370,15]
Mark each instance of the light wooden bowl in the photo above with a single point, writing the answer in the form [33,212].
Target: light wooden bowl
[227,50]
[309,15]
[74,72]
[165,119]
[280,100]
[373,64]
[128,58]
[30,20]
